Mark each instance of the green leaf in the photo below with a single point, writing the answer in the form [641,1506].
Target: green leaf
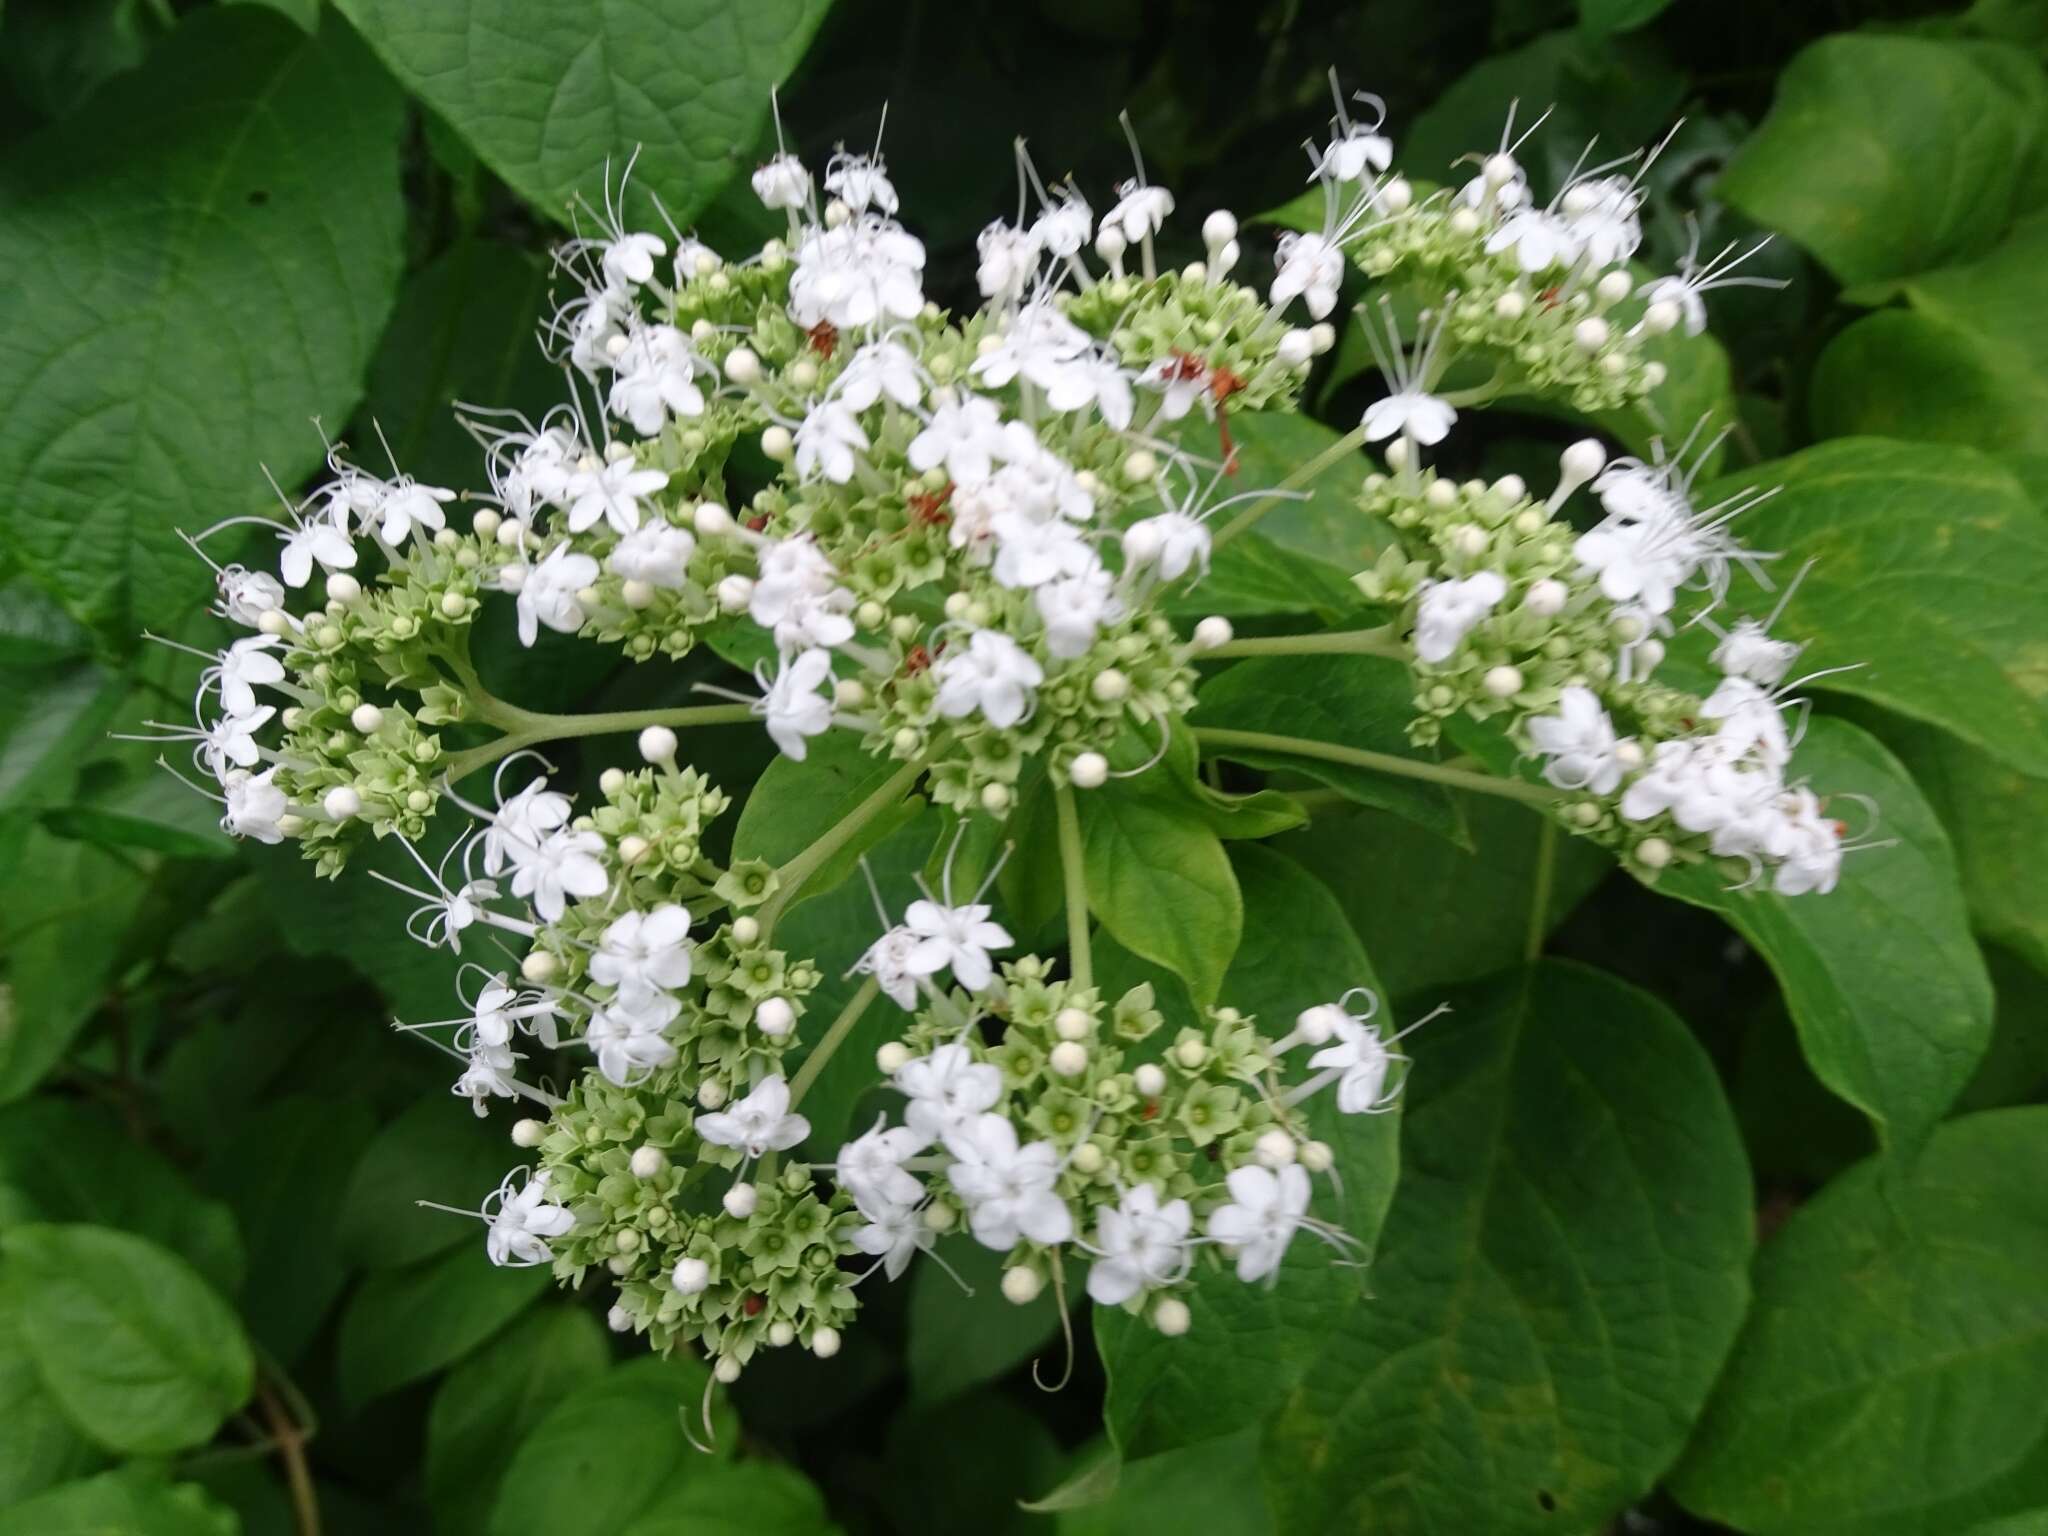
[189,281]
[1159,880]
[611,1450]
[41,1446]
[284,1170]
[465,329]
[966,1465]
[1322,522]
[960,1338]
[558,95]
[494,1398]
[1902,373]
[794,804]
[1211,1488]
[47,726]
[753,1498]
[123,1503]
[434,1151]
[1252,576]
[1619,15]
[65,1161]
[141,1353]
[1559,1280]
[1364,702]
[1249,1344]
[1884,156]
[1885,984]
[1929,564]
[1431,914]
[402,1324]
[1888,1378]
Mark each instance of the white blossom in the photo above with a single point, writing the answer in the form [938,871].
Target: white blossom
[992,675]
[644,954]
[958,938]
[1008,1189]
[523,1222]
[1265,1210]
[1447,610]
[946,1089]
[1139,1244]
[759,1123]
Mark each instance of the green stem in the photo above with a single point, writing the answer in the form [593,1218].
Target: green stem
[1345,446]
[1379,762]
[831,1040]
[1073,878]
[790,877]
[526,729]
[1382,641]
[1539,901]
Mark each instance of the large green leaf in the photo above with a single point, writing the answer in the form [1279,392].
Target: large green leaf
[794,804]
[402,1324]
[1929,565]
[1431,914]
[434,1151]
[65,1161]
[1159,880]
[1212,1488]
[963,1331]
[41,1446]
[1365,702]
[1561,1275]
[1889,1377]
[1297,950]
[124,1503]
[554,95]
[751,1498]
[494,1398]
[1885,156]
[611,1451]
[194,270]
[139,1351]
[1884,981]
[284,1170]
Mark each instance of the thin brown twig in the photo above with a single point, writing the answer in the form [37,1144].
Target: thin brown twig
[290,1441]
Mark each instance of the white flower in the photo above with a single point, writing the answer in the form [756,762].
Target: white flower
[827,439]
[759,1123]
[991,674]
[1031,551]
[1009,261]
[783,183]
[1812,859]
[1038,343]
[946,1089]
[895,1234]
[231,740]
[612,493]
[1141,211]
[519,825]
[324,539]
[489,1073]
[563,864]
[644,954]
[1352,153]
[957,937]
[1600,212]
[1424,417]
[861,183]
[865,271]
[245,596]
[655,375]
[593,322]
[1311,268]
[1063,227]
[244,667]
[1008,1189]
[879,369]
[630,1041]
[888,961]
[1181,381]
[1264,1211]
[1074,609]
[540,473]
[254,806]
[1447,610]
[1750,721]
[1361,1060]
[1409,409]
[630,258]
[1579,740]
[523,1221]
[1173,541]
[408,504]
[1538,238]
[1140,1244]
[656,553]
[548,593]
[1748,651]
[1634,563]
[870,1167]
[792,708]
[964,435]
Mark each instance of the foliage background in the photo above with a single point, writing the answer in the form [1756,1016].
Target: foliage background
[220,220]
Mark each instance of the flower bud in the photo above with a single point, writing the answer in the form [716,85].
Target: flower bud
[1510,306]
[740,1201]
[711,1094]
[341,802]
[611,781]
[1612,288]
[1546,598]
[1653,375]
[726,1371]
[1191,1054]
[1397,196]
[1171,1317]
[1088,770]
[540,965]
[775,1018]
[890,1058]
[366,718]
[1316,1156]
[1322,336]
[691,1276]
[634,594]
[1653,853]
[1219,229]
[1590,334]
[1109,686]
[1087,1159]
[746,930]
[1464,223]
[777,444]
[1318,1025]
[1660,317]
[1629,754]
[1068,1059]
[1140,466]
[658,744]
[825,1343]
[343,588]
[1503,682]
[528,1133]
[648,1162]
[1072,1024]
[940,1217]
[1110,245]
[1149,1080]
[1295,349]
[632,849]
[1510,488]
[1021,1285]
[1274,1148]
[743,367]
[711,520]
[803,373]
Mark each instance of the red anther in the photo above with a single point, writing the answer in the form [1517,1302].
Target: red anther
[758,521]
[930,507]
[1547,298]
[754,1303]
[1185,366]
[916,659]
[1150,1111]
[824,338]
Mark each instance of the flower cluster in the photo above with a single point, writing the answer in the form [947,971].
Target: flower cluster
[958,555]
